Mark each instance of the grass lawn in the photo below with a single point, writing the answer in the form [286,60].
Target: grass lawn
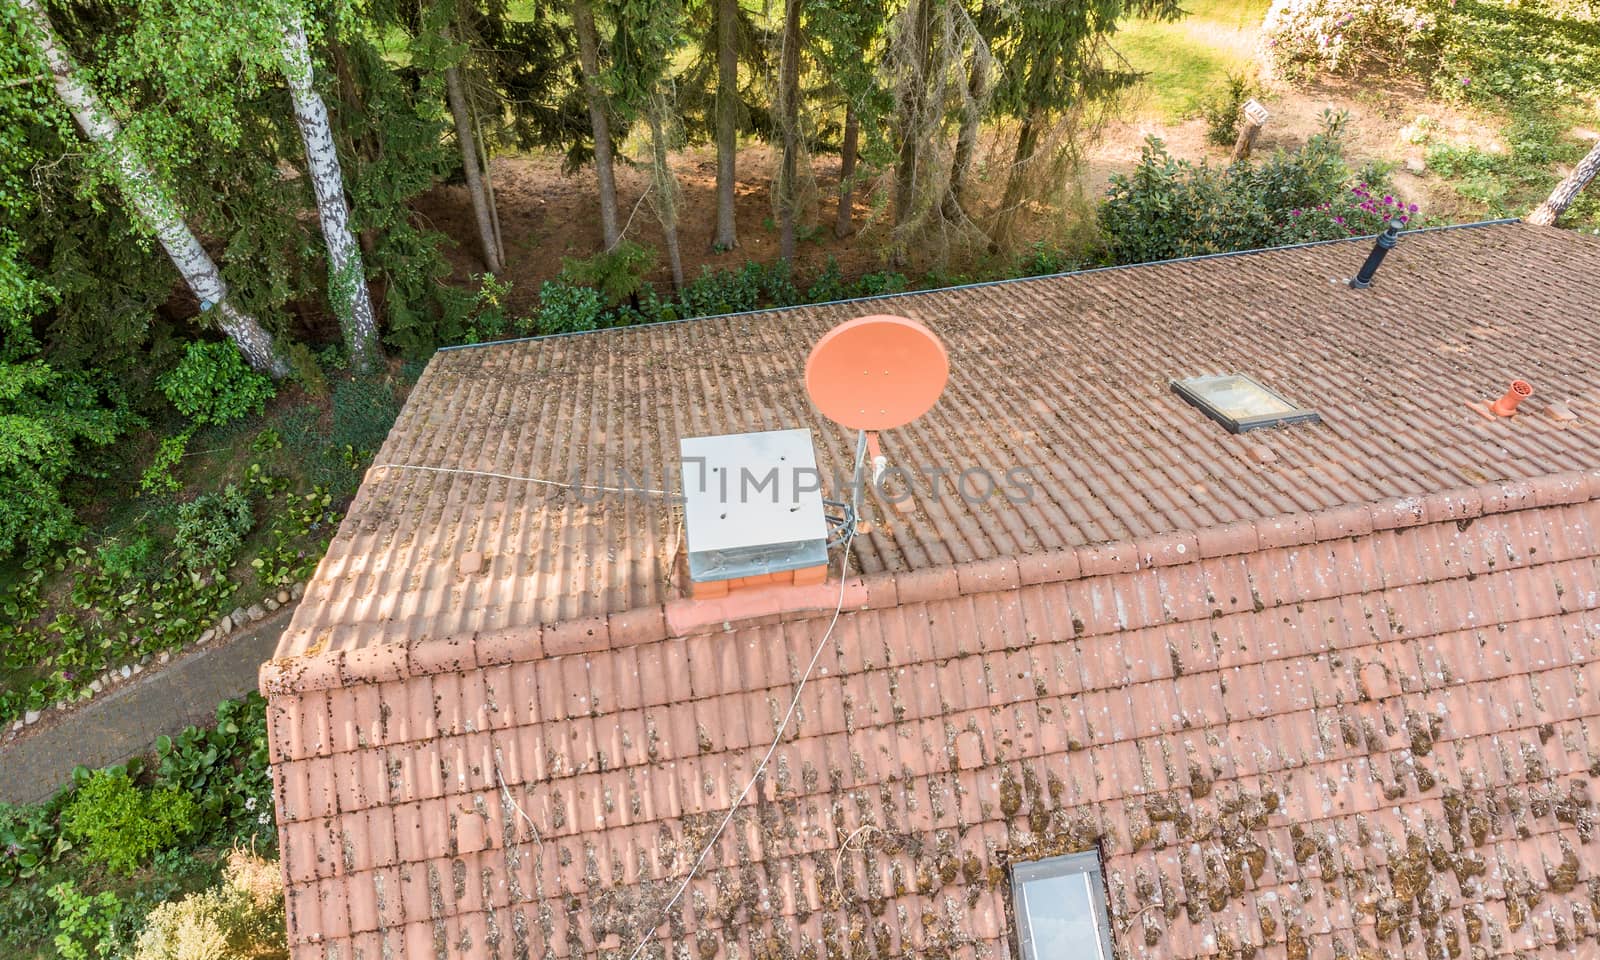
[1183,58]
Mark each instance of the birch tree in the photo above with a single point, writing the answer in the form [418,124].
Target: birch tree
[1547,213]
[151,202]
[347,281]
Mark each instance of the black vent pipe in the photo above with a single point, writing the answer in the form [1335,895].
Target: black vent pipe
[1386,241]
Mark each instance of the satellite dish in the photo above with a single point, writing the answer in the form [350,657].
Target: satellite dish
[876,373]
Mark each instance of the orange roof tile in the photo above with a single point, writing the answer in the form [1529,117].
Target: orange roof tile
[1343,704]
[1065,377]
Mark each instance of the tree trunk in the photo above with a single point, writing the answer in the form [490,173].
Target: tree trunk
[488,186]
[347,280]
[727,122]
[842,227]
[912,100]
[152,203]
[789,105]
[967,139]
[1016,180]
[469,163]
[589,62]
[1547,213]
[666,189]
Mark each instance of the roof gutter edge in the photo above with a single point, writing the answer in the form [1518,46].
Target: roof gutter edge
[682,618]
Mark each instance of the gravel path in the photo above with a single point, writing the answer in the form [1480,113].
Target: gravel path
[126,721]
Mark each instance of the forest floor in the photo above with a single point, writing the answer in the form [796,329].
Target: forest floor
[547,214]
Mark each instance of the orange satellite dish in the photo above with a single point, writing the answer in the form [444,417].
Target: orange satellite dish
[877,373]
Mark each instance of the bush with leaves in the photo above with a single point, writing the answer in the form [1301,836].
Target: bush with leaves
[240,918]
[618,274]
[48,420]
[119,824]
[1168,208]
[568,308]
[224,769]
[1222,108]
[85,923]
[211,528]
[1302,38]
[213,385]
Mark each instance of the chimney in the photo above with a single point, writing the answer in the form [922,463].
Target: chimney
[1386,241]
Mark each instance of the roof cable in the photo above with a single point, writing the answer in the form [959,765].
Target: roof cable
[783,727]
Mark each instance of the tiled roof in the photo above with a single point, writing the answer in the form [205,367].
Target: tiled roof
[1370,735]
[1064,376]
[1329,691]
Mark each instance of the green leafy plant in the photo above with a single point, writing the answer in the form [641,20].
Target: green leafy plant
[224,769]
[212,384]
[84,922]
[1222,108]
[211,528]
[121,825]
[133,558]
[617,274]
[567,308]
[160,476]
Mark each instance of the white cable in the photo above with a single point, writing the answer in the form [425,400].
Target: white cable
[838,608]
[512,476]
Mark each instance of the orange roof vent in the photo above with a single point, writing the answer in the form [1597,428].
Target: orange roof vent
[1519,391]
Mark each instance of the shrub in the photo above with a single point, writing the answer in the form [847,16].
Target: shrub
[566,308]
[239,919]
[224,768]
[159,476]
[829,285]
[212,384]
[121,825]
[1358,212]
[618,274]
[1222,108]
[211,528]
[47,421]
[1168,208]
[84,924]
[1301,38]
[131,559]
[1042,260]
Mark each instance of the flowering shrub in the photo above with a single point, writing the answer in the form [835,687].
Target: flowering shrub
[1361,212]
[1301,38]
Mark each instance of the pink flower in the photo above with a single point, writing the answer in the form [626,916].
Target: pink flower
[1387,198]
[1412,208]
[1294,213]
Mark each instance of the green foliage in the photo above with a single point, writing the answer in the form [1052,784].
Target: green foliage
[213,385]
[1542,50]
[565,308]
[1222,108]
[1042,260]
[617,274]
[48,420]
[211,528]
[829,285]
[1168,208]
[119,824]
[132,559]
[1511,182]
[84,923]
[159,477]
[222,770]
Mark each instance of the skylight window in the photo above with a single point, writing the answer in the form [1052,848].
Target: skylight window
[1061,908]
[1240,403]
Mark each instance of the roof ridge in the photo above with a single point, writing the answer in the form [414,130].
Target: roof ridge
[322,670]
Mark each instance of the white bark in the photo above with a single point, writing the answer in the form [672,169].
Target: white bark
[1546,214]
[347,279]
[150,201]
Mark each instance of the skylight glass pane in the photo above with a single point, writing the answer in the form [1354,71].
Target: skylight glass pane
[1060,908]
[1240,403]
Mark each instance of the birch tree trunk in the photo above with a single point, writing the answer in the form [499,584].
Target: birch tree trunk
[727,122]
[589,62]
[151,203]
[1546,214]
[789,113]
[469,162]
[347,279]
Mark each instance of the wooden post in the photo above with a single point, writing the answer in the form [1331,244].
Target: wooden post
[1255,117]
